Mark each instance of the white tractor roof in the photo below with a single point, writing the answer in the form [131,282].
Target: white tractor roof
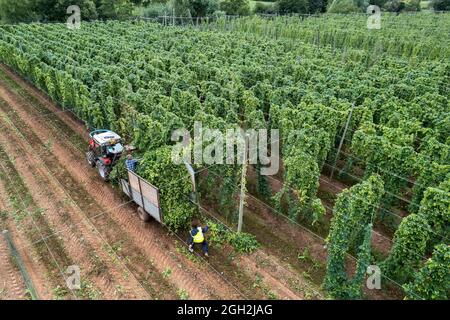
[107,138]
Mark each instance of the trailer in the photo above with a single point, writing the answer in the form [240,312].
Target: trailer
[145,195]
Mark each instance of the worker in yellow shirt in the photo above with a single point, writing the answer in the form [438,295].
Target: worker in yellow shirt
[197,236]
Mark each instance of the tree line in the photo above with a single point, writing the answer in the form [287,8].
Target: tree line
[13,11]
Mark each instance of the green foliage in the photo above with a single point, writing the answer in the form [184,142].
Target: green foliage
[156,166]
[152,10]
[264,77]
[243,242]
[379,3]
[432,282]
[388,152]
[398,5]
[317,6]
[183,294]
[435,207]
[412,5]
[344,6]
[115,9]
[410,242]
[265,8]
[193,8]
[203,8]
[349,31]
[293,6]
[179,7]
[429,175]
[56,10]
[351,231]
[308,131]
[12,11]
[118,172]
[218,234]
[301,174]
[235,7]
[419,231]
[441,5]
[263,187]
[393,5]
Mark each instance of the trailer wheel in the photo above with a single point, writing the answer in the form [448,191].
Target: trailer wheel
[144,216]
[90,157]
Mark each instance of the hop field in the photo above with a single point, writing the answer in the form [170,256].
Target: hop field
[369,107]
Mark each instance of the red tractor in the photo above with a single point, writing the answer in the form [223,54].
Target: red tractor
[105,150]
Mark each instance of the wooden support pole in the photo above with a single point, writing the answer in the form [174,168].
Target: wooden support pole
[342,140]
[243,181]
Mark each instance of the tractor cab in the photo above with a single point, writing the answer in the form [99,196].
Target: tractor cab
[105,150]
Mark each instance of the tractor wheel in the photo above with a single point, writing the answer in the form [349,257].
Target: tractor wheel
[103,170]
[144,216]
[90,157]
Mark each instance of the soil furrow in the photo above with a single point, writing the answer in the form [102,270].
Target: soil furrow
[36,270]
[12,286]
[28,218]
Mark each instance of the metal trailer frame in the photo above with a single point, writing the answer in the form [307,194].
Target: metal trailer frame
[144,194]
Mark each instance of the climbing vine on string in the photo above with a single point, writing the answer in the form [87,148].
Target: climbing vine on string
[351,232]
[419,231]
[432,282]
[410,243]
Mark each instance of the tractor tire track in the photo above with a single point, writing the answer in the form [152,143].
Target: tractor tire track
[12,286]
[28,220]
[36,270]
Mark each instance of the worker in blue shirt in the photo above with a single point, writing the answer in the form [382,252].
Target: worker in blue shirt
[197,236]
[131,163]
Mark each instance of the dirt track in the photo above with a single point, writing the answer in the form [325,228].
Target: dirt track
[84,221]
[11,283]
